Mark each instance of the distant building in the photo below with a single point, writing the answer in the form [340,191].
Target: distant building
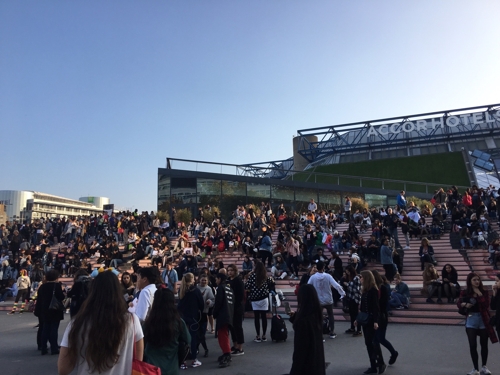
[29,205]
[99,202]
[3,214]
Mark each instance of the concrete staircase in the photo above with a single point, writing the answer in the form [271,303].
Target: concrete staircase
[419,312]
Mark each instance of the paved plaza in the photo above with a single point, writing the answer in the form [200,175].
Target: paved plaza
[423,350]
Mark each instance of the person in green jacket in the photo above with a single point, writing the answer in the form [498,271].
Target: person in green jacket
[164,330]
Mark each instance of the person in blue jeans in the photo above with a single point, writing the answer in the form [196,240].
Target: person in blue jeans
[400,296]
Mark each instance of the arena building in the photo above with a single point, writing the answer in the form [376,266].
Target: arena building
[464,141]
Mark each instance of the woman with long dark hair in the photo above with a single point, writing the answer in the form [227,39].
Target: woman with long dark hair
[476,302]
[102,336]
[308,351]
[191,307]
[163,330]
[385,295]
[450,282]
[370,305]
[259,286]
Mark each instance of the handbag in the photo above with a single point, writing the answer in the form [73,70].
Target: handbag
[55,304]
[363,318]
[140,367]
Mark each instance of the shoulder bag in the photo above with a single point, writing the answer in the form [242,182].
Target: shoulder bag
[55,304]
[140,367]
[363,318]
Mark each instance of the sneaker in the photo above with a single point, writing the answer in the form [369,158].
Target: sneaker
[406,248]
[184,366]
[225,360]
[439,300]
[370,371]
[350,330]
[400,307]
[264,338]
[333,335]
[429,300]
[196,363]
[11,313]
[473,372]
[382,368]
[237,352]
[356,334]
[257,339]
[485,371]
[295,277]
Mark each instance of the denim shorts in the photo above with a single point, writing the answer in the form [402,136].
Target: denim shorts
[474,320]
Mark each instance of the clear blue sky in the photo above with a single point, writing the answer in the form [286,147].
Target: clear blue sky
[94,95]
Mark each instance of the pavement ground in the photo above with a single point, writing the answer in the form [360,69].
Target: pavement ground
[423,349]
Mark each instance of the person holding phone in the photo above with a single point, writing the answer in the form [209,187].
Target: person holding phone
[476,301]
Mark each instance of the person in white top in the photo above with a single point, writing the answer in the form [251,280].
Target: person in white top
[323,282]
[146,278]
[312,206]
[103,335]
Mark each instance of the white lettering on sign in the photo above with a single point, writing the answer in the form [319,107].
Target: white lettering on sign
[476,118]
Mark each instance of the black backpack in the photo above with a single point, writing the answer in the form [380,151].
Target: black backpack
[77,300]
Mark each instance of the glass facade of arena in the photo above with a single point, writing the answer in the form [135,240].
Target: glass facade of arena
[185,190]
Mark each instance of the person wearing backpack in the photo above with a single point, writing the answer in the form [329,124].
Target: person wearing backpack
[79,291]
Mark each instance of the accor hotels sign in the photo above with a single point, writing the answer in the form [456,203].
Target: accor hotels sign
[476,118]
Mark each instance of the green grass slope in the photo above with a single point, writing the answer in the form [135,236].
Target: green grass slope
[446,169]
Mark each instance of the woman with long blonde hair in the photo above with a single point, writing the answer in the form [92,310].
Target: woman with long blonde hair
[191,307]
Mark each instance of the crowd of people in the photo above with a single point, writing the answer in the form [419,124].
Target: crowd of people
[212,297]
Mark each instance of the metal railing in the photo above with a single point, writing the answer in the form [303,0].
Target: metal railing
[309,176]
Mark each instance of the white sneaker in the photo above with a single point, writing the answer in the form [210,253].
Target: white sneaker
[196,363]
[473,372]
[406,248]
[485,371]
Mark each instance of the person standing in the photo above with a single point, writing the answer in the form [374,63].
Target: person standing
[308,351]
[163,331]
[312,206]
[259,286]
[191,308]
[49,320]
[495,302]
[353,298]
[370,305]
[101,343]
[401,200]
[208,302]
[223,314]
[386,259]
[169,276]
[391,221]
[384,297]
[23,292]
[347,208]
[238,287]
[476,302]
[323,282]
[146,278]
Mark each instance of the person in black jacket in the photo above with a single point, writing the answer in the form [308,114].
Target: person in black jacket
[223,313]
[238,287]
[370,305]
[308,350]
[49,319]
[495,302]
[79,291]
[191,307]
[385,295]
